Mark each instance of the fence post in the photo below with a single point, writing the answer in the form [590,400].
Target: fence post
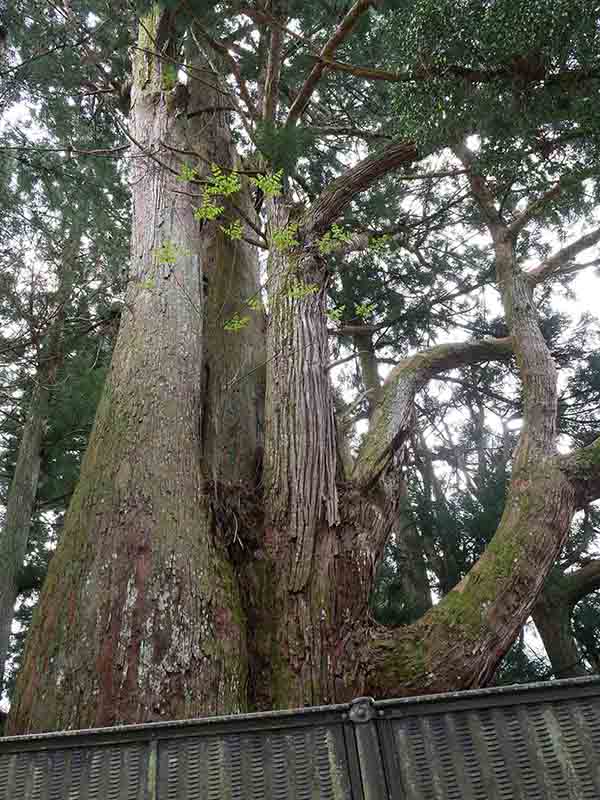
[363,713]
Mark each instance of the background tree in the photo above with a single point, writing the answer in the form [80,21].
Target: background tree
[62,260]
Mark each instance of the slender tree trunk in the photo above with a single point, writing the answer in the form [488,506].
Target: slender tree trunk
[141,615]
[410,556]
[19,509]
[411,559]
[552,617]
[22,493]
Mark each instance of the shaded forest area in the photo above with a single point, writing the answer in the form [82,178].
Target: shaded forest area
[298,399]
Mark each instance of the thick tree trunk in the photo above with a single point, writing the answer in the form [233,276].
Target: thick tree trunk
[22,493]
[141,615]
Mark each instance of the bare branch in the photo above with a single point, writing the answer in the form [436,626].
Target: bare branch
[559,262]
[393,419]
[534,208]
[342,32]
[233,66]
[479,187]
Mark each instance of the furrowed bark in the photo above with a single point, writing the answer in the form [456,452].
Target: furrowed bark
[140,617]
[300,454]
[323,539]
[300,467]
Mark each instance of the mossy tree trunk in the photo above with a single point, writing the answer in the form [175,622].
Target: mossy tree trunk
[141,616]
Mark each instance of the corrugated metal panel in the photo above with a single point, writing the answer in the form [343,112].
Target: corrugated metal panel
[540,742]
[528,743]
[284,756]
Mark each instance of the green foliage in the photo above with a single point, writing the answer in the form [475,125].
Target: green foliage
[219,184]
[336,314]
[522,665]
[208,210]
[333,239]
[377,244]
[236,323]
[364,310]
[222,184]
[270,184]
[167,253]
[283,146]
[187,173]
[587,630]
[285,238]
[168,77]
[299,290]
[234,230]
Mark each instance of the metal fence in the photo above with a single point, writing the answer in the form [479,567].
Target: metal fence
[535,742]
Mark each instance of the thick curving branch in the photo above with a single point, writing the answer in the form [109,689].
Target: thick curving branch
[561,261]
[460,642]
[340,193]
[394,416]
